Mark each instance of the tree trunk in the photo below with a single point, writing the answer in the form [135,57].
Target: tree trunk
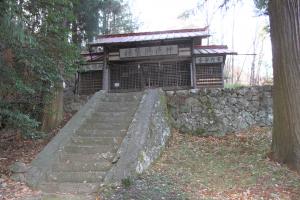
[285,36]
[75,35]
[53,109]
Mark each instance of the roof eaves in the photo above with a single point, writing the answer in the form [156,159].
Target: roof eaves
[152,38]
[153,32]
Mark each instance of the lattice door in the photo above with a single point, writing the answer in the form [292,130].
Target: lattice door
[171,75]
[125,77]
[90,82]
[166,74]
[152,75]
[176,74]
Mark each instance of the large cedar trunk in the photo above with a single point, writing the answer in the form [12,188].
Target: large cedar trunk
[285,36]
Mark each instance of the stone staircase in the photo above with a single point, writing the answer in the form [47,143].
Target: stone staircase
[84,160]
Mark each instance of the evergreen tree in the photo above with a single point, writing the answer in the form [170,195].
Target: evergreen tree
[39,43]
[34,55]
[94,17]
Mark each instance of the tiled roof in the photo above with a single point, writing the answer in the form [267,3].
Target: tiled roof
[213,49]
[151,36]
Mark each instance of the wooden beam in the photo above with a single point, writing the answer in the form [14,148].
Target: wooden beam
[105,70]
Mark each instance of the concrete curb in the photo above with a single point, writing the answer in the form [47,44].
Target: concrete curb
[145,138]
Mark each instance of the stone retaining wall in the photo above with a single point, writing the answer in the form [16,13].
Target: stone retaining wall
[220,111]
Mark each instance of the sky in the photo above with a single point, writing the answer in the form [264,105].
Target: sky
[239,27]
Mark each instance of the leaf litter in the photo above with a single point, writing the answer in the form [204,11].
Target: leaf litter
[235,166]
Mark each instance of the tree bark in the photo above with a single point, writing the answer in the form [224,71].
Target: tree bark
[52,114]
[285,36]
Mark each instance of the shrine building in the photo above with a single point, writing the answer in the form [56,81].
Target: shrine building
[172,60]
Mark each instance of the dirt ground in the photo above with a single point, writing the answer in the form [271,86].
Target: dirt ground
[15,148]
[230,167]
[191,167]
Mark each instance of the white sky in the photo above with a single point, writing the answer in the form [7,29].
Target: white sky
[163,15]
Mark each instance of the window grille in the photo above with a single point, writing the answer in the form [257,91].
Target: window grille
[209,75]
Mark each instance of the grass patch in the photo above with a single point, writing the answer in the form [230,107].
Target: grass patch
[233,85]
[126,182]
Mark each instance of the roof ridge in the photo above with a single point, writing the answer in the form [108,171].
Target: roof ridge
[153,32]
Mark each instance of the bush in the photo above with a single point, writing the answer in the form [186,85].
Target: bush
[18,120]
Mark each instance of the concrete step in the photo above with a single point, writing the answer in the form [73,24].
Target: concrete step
[85,132]
[132,104]
[90,149]
[73,188]
[84,161]
[121,97]
[77,140]
[88,158]
[109,117]
[105,126]
[109,114]
[76,177]
[126,119]
[71,166]
[109,121]
[115,108]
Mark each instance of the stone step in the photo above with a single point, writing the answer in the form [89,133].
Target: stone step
[71,166]
[90,149]
[109,114]
[102,132]
[78,140]
[115,108]
[73,188]
[104,125]
[121,98]
[110,119]
[132,104]
[78,157]
[75,177]
[84,161]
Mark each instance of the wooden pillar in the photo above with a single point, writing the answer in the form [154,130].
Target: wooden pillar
[77,83]
[105,80]
[222,68]
[193,66]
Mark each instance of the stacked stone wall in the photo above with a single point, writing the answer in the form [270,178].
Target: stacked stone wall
[220,111]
